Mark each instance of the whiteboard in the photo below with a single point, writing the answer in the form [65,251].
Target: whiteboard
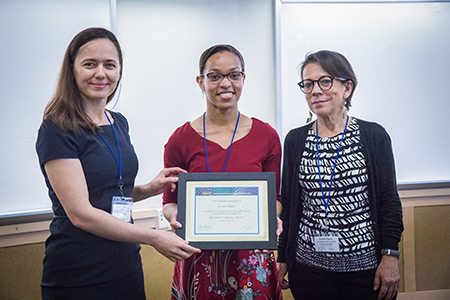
[400,53]
[33,38]
[161,42]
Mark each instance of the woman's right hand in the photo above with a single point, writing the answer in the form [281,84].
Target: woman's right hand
[172,246]
[282,270]
[174,224]
[170,211]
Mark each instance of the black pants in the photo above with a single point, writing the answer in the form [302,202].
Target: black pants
[128,288]
[307,283]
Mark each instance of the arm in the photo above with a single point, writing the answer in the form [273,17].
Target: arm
[286,190]
[287,173]
[389,205]
[387,277]
[174,156]
[170,211]
[273,164]
[67,179]
[166,179]
[282,271]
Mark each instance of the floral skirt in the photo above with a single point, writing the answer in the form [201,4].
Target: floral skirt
[226,274]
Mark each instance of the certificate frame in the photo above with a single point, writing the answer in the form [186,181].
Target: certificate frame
[228,210]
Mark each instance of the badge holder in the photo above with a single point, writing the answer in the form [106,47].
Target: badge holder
[122,207]
[327,241]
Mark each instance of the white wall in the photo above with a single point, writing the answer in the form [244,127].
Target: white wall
[33,38]
[400,53]
[162,42]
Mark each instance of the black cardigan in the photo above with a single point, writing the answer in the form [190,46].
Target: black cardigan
[384,202]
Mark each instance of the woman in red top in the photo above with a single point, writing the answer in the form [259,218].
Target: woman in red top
[223,140]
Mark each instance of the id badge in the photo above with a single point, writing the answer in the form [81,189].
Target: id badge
[122,207]
[326,243]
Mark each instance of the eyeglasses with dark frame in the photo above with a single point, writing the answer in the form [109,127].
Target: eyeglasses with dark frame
[215,77]
[325,83]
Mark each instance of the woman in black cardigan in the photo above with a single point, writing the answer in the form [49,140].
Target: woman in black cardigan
[342,216]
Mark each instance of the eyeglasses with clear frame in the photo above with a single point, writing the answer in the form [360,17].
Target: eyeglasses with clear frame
[216,77]
[325,83]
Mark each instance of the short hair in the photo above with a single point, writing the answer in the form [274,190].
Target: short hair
[217,49]
[66,106]
[334,64]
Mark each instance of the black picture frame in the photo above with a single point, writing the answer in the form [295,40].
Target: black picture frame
[264,236]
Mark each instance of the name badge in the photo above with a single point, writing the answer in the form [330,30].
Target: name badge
[326,243]
[122,208]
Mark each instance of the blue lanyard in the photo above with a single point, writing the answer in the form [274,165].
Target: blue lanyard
[334,167]
[119,164]
[229,148]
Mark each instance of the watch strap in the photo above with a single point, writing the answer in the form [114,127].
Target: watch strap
[390,252]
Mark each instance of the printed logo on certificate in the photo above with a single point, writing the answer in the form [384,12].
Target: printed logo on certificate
[228,210]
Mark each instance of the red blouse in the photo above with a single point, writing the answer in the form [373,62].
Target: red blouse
[258,151]
[225,274]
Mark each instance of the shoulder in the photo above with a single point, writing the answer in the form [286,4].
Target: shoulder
[53,143]
[182,133]
[298,133]
[118,118]
[261,129]
[260,125]
[49,129]
[371,129]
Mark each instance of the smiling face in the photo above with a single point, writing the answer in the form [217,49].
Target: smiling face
[326,103]
[97,70]
[223,94]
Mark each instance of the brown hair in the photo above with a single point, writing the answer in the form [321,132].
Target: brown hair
[66,106]
[217,49]
[334,64]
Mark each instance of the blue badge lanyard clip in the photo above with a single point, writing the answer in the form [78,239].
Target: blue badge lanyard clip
[229,148]
[118,161]
[334,167]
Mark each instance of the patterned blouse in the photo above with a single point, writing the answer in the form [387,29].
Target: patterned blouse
[348,208]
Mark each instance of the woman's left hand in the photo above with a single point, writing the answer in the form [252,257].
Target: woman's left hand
[388,276]
[279,226]
[165,179]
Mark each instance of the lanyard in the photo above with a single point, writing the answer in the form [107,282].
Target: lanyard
[119,164]
[229,148]
[325,203]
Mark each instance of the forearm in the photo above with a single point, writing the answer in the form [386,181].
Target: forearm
[141,192]
[103,224]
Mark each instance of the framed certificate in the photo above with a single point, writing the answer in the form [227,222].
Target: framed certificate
[228,210]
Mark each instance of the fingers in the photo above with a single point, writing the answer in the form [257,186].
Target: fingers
[175,226]
[279,226]
[376,281]
[173,171]
[173,247]
[388,291]
[285,284]
[264,251]
[282,270]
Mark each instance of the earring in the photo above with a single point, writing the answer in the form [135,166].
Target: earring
[309,118]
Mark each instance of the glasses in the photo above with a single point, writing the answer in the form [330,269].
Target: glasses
[218,77]
[325,83]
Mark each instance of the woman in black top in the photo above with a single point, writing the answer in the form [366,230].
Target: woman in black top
[342,216]
[89,165]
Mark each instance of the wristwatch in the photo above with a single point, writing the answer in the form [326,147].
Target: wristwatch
[390,252]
